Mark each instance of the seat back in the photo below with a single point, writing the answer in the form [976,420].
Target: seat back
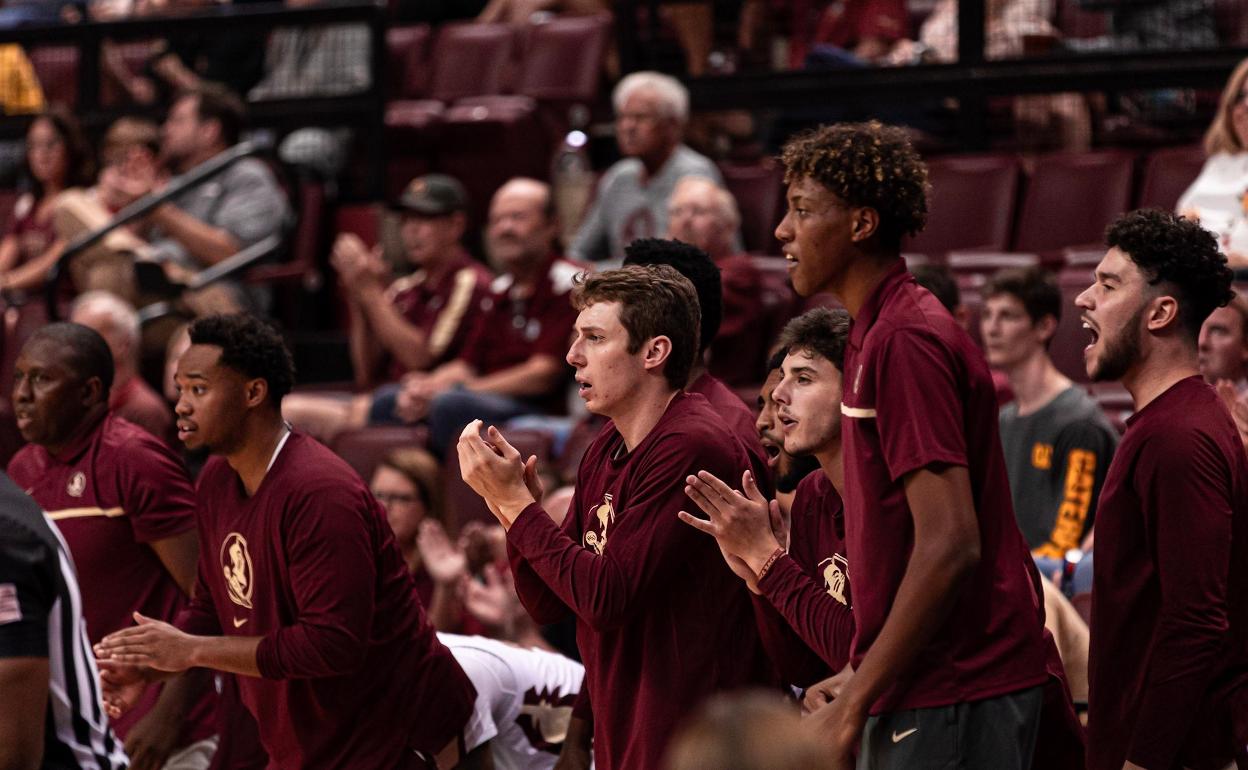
[971,204]
[407,61]
[563,58]
[56,66]
[1071,198]
[1167,175]
[759,192]
[470,60]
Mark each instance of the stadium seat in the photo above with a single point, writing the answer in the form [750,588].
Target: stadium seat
[1167,175]
[470,60]
[759,191]
[56,66]
[462,503]
[971,204]
[1071,198]
[302,272]
[563,57]
[407,61]
[364,448]
[1075,22]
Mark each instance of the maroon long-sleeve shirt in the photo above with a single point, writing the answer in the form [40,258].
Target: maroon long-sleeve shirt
[1168,670]
[809,587]
[661,620]
[352,674]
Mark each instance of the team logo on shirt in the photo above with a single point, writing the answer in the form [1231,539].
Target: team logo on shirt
[544,718]
[605,516]
[836,577]
[1042,456]
[236,565]
[77,484]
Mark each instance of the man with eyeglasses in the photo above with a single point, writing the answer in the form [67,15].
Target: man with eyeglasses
[651,111]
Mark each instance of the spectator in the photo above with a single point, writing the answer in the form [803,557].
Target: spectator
[1218,195]
[50,709]
[511,363]
[131,398]
[1223,345]
[413,324]
[1057,442]
[751,731]
[126,509]
[57,158]
[213,221]
[850,33]
[651,111]
[704,214]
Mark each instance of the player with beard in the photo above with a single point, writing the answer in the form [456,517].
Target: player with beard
[1168,668]
[302,590]
[949,640]
[786,470]
[661,621]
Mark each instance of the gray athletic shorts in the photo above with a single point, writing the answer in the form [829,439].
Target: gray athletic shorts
[993,734]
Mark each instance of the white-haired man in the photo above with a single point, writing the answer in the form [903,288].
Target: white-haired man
[131,398]
[650,115]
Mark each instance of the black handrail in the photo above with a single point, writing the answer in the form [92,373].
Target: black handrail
[176,186]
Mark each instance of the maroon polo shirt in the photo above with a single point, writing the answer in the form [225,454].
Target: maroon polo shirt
[738,417]
[661,621]
[511,328]
[136,402]
[441,306]
[352,674]
[112,493]
[1169,655]
[809,587]
[918,395]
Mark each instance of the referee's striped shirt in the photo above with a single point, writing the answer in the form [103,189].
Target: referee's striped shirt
[36,571]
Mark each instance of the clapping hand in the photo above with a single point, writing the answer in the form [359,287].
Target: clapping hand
[742,524]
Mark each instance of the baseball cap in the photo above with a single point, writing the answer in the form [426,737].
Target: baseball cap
[432,195]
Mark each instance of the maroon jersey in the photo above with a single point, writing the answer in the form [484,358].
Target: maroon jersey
[739,350]
[809,587]
[510,328]
[661,620]
[136,402]
[352,674]
[441,306]
[1170,592]
[740,420]
[112,493]
[918,394]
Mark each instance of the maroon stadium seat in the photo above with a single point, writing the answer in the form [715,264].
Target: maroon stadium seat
[470,60]
[301,273]
[1074,21]
[365,448]
[971,204]
[780,302]
[759,191]
[1232,21]
[56,66]
[1071,198]
[563,59]
[1167,175]
[407,61]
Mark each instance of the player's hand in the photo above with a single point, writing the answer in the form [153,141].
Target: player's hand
[152,740]
[822,693]
[121,685]
[493,603]
[838,726]
[442,560]
[741,524]
[152,643]
[495,471]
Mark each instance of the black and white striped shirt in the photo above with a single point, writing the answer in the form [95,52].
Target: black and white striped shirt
[41,616]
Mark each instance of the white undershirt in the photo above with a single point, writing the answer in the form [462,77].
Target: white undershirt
[281,442]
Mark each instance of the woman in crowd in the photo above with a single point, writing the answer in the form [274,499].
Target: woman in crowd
[1219,195]
[57,158]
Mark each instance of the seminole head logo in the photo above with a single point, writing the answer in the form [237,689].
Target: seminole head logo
[236,565]
[836,578]
[604,516]
[544,718]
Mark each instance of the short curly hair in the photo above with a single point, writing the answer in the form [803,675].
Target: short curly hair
[823,331]
[1171,249]
[865,164]
[694,264]
[251,346]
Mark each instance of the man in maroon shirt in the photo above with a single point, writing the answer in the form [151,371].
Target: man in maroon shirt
[1168,667]
[302,590]
[412,324]
[124,504]
[948,624]
[510,362]
[661,621]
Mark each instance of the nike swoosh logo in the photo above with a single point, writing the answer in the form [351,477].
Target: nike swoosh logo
[899,737]
[239,623]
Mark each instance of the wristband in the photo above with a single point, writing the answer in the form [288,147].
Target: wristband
[767,565]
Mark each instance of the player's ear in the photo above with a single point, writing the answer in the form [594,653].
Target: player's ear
[864,223]
[93,391]
[656,350]
[1163,313]
[257,392]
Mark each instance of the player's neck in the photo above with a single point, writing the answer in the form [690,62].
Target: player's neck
[1157,372]
[862,275]
[1036,382]
[251,460]
[833,466]
[642,414]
